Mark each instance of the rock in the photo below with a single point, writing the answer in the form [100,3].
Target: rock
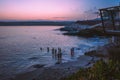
[57,63]
[32,58]
[38,66]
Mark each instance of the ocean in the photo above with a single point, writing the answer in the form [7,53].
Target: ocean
[20,47]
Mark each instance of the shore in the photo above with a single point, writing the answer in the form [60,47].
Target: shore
[57,71]
[88,28]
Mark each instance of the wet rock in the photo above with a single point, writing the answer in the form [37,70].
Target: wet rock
[38,66]
[57,63]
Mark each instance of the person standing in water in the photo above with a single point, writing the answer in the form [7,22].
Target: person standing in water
[59,56]
[41,48]
[72,52]
[47,49]
[53,52]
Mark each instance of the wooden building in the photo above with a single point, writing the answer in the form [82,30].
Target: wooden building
[111,20]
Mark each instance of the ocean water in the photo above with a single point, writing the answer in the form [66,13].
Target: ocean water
[20,47]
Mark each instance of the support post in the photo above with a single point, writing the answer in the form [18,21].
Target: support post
[103,25]
[112,19]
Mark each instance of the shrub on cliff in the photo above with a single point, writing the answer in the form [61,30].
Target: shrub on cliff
[101,70]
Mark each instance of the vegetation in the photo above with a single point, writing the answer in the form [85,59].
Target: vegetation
[101,70]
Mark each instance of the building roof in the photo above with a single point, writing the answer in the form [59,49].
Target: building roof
[114,8]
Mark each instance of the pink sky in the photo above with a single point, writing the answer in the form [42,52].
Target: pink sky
[46,9]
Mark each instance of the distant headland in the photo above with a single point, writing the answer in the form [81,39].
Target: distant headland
[35,23]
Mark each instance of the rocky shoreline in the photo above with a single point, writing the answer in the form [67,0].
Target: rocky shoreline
[89,28]
[59,71]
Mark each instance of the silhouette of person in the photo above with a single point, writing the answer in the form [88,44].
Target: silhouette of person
[47,49]
[72,52]
[40,48]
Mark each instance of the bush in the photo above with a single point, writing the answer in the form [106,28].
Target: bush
[99,71]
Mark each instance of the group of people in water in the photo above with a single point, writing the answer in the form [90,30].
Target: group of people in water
[57,53]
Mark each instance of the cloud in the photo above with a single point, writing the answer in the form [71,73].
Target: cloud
[61,17]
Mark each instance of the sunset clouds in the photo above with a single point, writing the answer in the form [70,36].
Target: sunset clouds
[49,9]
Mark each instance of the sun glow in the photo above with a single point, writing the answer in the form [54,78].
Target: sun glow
[44,9]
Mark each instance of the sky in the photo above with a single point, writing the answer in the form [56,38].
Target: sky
[52,9]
